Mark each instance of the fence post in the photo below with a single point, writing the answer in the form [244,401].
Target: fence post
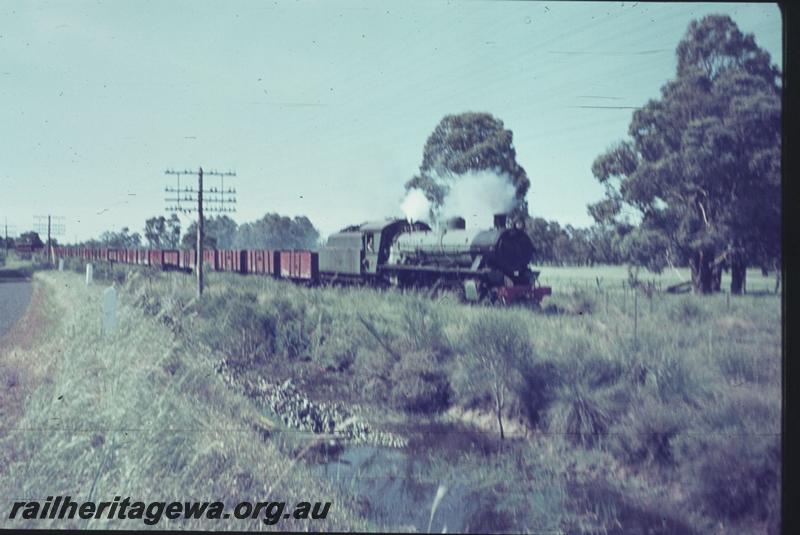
[624,298]
[636,317]
[109,310]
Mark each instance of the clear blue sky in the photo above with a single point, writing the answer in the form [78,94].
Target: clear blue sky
[322,108]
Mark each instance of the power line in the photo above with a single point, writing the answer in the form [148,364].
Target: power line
[221,200]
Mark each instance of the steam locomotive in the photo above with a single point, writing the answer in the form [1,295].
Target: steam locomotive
[479,264]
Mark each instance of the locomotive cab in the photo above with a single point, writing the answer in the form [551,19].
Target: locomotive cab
[360,250]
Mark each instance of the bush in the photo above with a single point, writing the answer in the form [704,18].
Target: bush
[418,387]
[423,326]
[292,325]
[677,378]
[647,432]
[538,389]
[492,352]
[332,338]
[580,414]
[733,464]
[498,337]
[236,326]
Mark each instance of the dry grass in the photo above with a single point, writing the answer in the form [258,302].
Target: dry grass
[136,414]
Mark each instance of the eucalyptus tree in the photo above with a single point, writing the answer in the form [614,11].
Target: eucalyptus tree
[702,165]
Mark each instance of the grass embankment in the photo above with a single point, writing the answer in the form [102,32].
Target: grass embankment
[139,413]
[655,413]
[643,415]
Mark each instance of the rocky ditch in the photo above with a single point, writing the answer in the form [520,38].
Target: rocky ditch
[297,411]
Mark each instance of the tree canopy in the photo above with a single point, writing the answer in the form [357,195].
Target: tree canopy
[468,142]
[274,231]
[163,233]
[121,240]
[702,165]
[218,233]
[32,238]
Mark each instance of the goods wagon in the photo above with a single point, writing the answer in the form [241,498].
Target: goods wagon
[300,265]
[232,260]
[263,261]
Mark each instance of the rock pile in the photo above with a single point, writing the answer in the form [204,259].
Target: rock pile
[298,412]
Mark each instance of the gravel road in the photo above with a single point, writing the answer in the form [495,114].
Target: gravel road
[15,294]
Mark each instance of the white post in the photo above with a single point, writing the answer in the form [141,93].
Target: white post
[61,264]
[109,310]
[89,273]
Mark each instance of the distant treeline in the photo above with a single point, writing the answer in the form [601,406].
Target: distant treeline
[272,231]
[567,245]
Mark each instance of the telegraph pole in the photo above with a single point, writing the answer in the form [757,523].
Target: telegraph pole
[191,195]
[199,260]
[13,232]
[56,228]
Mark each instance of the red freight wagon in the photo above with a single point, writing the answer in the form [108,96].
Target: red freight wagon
[187,259]
[172,258]
[255,261]
[156,257]
[232,260]
[299,265]
[210,258]
[274,266]
[263,261]
[131,256]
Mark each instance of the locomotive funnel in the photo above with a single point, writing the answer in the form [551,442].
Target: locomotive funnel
[455,223]
[500,220]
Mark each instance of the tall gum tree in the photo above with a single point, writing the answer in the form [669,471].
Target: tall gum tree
[702,165]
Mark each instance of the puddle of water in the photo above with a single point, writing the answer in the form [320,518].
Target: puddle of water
[391,494]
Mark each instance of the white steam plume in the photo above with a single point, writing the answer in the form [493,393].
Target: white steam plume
[416,206]
[476,196]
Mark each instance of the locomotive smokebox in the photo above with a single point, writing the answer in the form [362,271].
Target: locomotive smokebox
[500,220]
[455,223]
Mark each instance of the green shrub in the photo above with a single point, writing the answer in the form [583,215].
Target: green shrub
[423,326]
[292,338]
[417,386]
[332,337]
[679,378]
[581,415]
[647,432]
[235,325]
[732,463]
[493,350]
[538,389]
[498,337]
